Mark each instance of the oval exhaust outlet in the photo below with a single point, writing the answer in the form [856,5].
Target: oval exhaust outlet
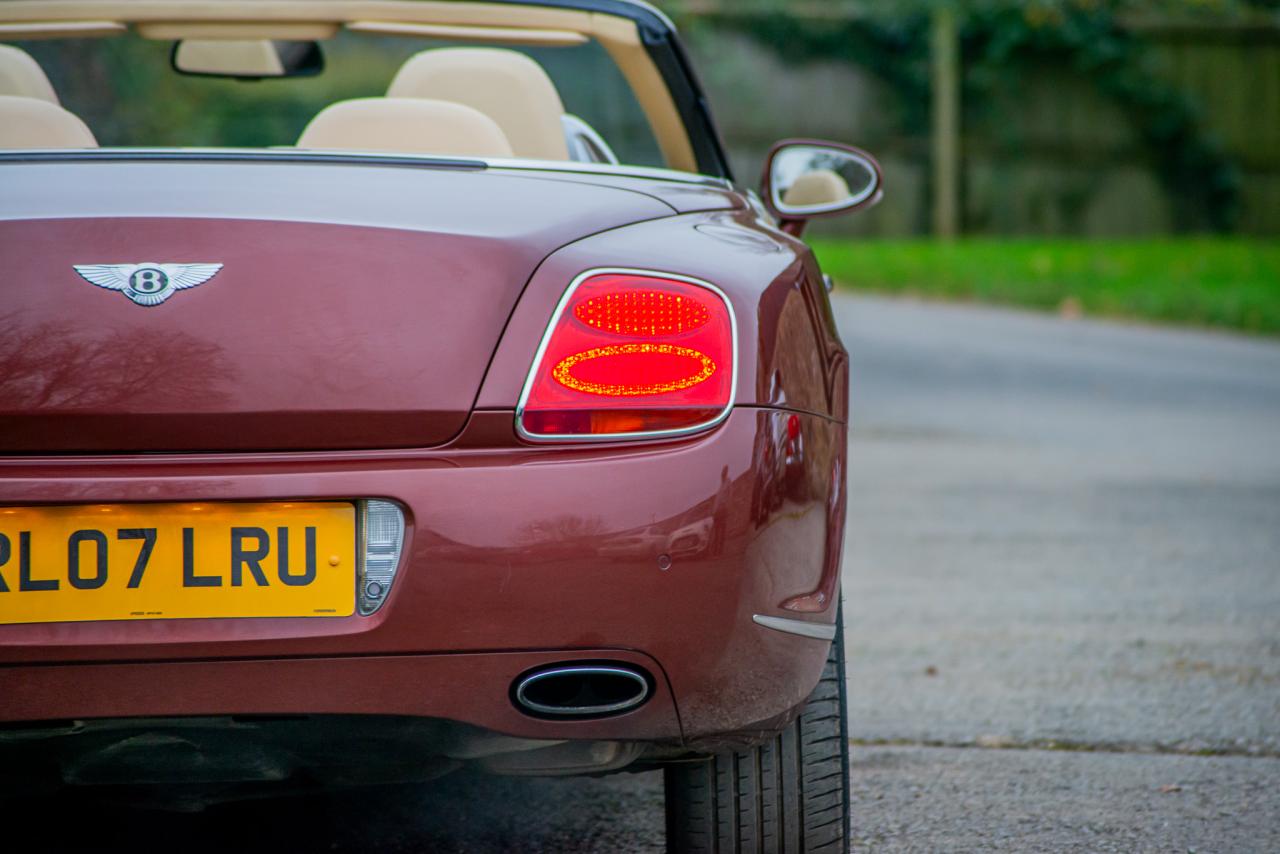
[581,690]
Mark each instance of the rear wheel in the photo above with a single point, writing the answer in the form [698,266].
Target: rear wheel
[790,794]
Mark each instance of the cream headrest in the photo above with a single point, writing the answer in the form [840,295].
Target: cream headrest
[21,75]
[410,125]
[505,85]
[819,187]
[33,123]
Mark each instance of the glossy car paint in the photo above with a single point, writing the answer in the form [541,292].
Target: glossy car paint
[554,552]
[312,335]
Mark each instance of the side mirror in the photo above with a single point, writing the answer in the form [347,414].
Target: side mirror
[809,178]
[246,60]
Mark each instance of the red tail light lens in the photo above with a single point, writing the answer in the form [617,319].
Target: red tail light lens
[631,354]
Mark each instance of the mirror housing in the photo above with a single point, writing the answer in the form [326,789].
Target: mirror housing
[254,59]
[806,178]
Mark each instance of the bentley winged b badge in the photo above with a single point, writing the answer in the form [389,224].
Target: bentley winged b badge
[147,283]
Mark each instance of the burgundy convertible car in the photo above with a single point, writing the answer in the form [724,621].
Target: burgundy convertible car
[429,397]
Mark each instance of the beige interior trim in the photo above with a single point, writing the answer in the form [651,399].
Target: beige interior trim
[37,124]
[819,187]
[450,32]
[59,29]
[241,31]
[21,75]
[621,39]
[221,56]
[343,11]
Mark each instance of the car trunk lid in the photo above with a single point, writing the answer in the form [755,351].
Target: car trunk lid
[356,306]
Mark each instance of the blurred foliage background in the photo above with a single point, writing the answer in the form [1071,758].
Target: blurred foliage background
[1117,158]
[1077,116]
[1092,141]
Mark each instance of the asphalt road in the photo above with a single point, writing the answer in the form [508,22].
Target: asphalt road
[1077,525]
[1062,535]
[1063,602]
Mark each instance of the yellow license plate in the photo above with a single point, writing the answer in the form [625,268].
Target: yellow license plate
[167,561]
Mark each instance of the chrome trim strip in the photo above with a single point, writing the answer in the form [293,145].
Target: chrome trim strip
[289,154]
[284,153]
[615,437]
[574,126]
[620,170]
[817,631]
[566,711]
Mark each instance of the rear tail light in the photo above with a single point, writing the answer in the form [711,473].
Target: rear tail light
[632,354]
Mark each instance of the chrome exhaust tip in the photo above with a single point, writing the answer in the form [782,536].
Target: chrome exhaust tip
[581,690]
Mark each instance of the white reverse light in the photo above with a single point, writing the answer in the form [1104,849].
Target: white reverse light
[383,525]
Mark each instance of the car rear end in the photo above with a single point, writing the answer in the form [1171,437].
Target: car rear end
[326,483]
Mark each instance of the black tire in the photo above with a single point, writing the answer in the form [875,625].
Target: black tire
[790,794]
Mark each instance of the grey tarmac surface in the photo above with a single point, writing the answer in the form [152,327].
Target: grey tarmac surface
[1063,534]
[960,799]
[1075,525]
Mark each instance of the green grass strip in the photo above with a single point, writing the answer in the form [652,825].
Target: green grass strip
[1229,283]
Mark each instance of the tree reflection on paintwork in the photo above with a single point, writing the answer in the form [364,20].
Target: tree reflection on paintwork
[46,373]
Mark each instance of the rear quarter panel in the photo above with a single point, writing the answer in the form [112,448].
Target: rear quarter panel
[793,370]
[790,355]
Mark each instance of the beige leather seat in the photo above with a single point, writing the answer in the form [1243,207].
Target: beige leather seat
[21,75]
[819,187]
[33,123]
[407,125]
[505,85]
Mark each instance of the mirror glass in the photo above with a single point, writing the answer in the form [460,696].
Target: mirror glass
[805,180]
[251,60]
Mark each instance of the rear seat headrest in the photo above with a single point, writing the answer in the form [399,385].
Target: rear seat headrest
[21,75]
[409,125]
[33,123]
[505,85]
[819,187]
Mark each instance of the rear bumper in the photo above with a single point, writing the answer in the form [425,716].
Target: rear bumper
[472,688]
[514,558]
